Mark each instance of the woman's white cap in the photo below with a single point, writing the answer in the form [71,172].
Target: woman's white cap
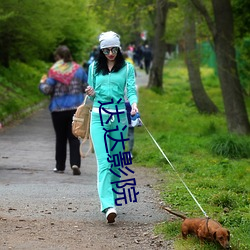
[109,39]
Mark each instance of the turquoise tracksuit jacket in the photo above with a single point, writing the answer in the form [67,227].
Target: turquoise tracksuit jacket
[113,85]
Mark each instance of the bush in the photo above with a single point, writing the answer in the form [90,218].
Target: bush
[231,146]
[223,200]
[19,88]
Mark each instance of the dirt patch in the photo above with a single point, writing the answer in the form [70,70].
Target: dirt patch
[32,217]
[50,234]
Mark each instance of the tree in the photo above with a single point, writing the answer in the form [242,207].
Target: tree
[159,46]
[242,33]
[223,38]
[28,33]
[201,99]
[241,17]
[126,18]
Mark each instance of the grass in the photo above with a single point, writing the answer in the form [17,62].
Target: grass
[214,164]
[19,88]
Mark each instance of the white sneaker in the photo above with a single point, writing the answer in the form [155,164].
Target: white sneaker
[111,214]
[58,171]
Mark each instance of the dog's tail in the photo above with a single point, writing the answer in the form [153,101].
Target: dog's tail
[175,213]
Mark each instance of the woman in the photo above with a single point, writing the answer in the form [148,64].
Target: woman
[108,77]
[65,83]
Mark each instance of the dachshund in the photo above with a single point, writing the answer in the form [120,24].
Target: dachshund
[204,229]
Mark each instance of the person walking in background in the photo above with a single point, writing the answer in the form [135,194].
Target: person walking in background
[108,77]
[138,52]
[127,58]
[147,54]
[65,84]
[92,56]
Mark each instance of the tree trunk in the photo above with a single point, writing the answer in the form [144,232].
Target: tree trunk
[201,99]
[223,38]
[159,47]
[235,109]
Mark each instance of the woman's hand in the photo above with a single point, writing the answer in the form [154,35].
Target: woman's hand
[90,91]
[134,109]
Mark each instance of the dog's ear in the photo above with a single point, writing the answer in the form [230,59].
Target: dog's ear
[214,235]
[228,237]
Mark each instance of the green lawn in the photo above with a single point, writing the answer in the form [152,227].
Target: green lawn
[214,164]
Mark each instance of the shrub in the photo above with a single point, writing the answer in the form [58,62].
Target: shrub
[223,200]
[231,146]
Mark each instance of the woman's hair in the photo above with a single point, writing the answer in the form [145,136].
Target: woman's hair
[102,67]
[63,52]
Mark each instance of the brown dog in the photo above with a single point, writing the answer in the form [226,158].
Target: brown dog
[204,229]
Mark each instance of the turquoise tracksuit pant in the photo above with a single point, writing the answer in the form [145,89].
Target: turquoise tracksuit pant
[104,175]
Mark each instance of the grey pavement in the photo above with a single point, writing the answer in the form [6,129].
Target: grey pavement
[141,78]
[30,189]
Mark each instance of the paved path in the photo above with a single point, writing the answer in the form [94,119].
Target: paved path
[141,78]
[29,189]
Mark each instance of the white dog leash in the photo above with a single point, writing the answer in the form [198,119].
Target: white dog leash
[174,170]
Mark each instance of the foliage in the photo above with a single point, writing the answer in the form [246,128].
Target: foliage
[230,146]
[243,60]
[128,18]
[19,88]
[219,183]
[27,33]
[175,25]
[242,37]
[241,17]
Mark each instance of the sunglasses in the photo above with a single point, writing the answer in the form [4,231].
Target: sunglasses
[106,51]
